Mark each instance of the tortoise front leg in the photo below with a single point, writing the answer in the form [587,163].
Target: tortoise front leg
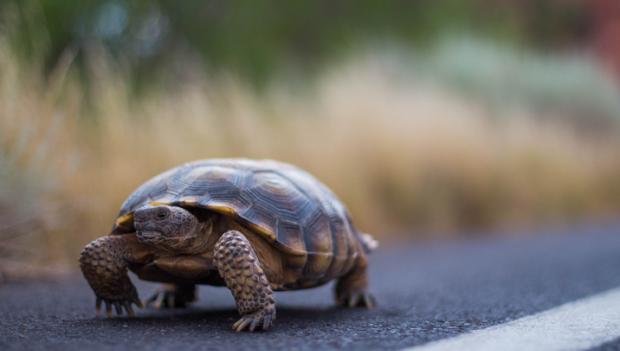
[237,263]
[104,264]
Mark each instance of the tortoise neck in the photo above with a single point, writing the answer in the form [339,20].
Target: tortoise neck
[202,232]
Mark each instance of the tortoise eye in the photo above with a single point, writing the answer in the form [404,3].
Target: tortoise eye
[162,214]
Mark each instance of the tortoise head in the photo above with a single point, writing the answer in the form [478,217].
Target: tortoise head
[171,228]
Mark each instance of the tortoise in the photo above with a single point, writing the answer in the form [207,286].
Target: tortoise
[254,226]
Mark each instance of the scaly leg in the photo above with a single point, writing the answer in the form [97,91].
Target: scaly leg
[104,264]
[237,263]
[352,289]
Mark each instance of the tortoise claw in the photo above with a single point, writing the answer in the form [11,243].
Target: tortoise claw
[148,302]
[354,300]
[136,301]
[128,308]
[369,301]
[359,299]
[171,297]
[118,305]
[263,319]
[161,300]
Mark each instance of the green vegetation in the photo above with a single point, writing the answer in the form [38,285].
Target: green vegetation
[256,39]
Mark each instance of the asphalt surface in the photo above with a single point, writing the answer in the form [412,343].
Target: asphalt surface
[426,292]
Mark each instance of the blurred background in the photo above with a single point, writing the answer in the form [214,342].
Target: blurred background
[430,119]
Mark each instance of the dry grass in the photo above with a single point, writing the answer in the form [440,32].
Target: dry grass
[402,157]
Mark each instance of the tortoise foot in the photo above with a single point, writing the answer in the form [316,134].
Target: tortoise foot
[172,296]
[238,264]
[358,299]
[120,305]
[263,319]
[352,289]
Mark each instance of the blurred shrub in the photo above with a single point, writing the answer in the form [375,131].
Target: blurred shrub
[257,38]
[571,87]
[30,174]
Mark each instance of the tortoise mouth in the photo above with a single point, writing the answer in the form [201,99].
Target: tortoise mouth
[149,236]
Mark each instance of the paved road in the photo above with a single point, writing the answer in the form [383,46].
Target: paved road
[426,292]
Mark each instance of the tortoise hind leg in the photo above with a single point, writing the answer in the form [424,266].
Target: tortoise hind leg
[238,264]
[173,296]
[352,289]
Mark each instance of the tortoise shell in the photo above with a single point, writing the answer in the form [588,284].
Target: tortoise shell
[283,204]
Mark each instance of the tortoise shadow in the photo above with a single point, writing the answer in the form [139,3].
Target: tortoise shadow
[222,318]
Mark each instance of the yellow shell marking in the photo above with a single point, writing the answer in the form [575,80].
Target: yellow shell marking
[158,203]
[263,231]
[222,209]
[123,219]
[190,202]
